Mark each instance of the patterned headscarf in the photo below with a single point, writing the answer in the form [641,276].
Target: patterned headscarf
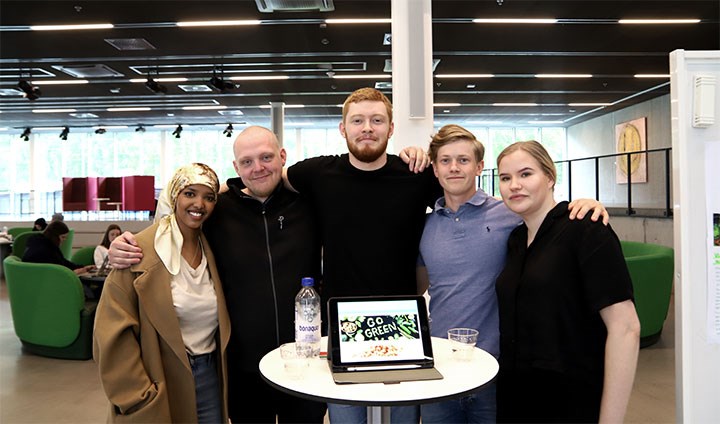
[168,238]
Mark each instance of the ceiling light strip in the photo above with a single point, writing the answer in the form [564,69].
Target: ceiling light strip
[240,22]
[259,77]
[60,82]
[213,107]
[70,27]
[363,76]
[515,21]
[563,76]
[128,109]
[658,21]
[515,104]
[53,110]
[464,75]
[359,21]
[652,75]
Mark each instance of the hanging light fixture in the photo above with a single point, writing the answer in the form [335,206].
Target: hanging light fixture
[100,131]
[218,83]
[140,128]
[64,133]
[177,131]
[26,134]
[30,91]
[228,131]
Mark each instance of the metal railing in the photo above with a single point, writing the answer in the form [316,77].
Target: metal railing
[489,180]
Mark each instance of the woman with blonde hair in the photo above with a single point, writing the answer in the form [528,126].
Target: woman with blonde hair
[569,333]
[161,327]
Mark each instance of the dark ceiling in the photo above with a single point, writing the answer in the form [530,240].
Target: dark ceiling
[587,40]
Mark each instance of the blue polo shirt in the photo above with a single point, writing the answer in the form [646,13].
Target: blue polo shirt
[464,252]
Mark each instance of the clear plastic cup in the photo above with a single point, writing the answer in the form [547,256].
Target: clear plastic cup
[462,342]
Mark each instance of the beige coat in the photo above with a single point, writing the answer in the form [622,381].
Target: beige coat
[138,346]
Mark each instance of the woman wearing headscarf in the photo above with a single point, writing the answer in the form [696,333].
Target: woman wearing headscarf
[44,248]
[161,327]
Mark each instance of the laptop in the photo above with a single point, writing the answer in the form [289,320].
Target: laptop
[104,269]
[383,339]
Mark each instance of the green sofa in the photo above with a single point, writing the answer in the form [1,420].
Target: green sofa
[49,311]
[651,269]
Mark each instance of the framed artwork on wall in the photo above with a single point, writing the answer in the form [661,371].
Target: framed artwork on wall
[630,136]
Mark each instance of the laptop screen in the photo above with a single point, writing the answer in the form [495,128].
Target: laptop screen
[379,330]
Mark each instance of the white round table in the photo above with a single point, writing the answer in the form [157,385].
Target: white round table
[459,378]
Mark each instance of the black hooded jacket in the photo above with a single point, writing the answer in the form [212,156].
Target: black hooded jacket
[262,252]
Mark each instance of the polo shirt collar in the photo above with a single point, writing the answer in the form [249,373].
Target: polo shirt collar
[478,199]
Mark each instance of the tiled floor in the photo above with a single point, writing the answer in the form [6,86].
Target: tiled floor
[34,389]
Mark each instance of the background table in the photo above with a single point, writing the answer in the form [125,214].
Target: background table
[460,378]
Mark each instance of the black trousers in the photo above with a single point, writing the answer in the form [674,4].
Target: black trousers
[248,395]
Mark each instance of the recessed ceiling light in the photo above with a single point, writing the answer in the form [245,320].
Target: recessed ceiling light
[470,86]
[10,92]
[194,88]
[233,112]
[84,115]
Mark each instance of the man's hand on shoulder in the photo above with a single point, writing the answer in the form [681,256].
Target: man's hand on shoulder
[578,208]
[416,158]
[124,251]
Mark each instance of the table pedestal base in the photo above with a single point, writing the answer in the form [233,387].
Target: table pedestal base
[378,414]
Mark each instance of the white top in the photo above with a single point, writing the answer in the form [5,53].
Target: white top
[195,304]
[99,255]
[459,378]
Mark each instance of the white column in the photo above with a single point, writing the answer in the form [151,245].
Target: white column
[277,119]
[412,73]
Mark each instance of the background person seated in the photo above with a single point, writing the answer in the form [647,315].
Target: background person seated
[40,224]
[45,248]
[101,251]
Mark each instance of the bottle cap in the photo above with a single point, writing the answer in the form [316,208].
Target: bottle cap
[307,281]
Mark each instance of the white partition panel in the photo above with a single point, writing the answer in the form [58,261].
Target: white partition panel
[696,188]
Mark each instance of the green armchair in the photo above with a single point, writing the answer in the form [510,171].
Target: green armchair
[20,242]
[651,269]
[49,311]
[84,256]
[14,231]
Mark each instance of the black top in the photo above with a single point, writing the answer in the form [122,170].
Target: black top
[550,295]
[40,249]
[262,251]
[371,222]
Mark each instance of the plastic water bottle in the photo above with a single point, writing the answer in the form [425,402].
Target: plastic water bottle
[307,319]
